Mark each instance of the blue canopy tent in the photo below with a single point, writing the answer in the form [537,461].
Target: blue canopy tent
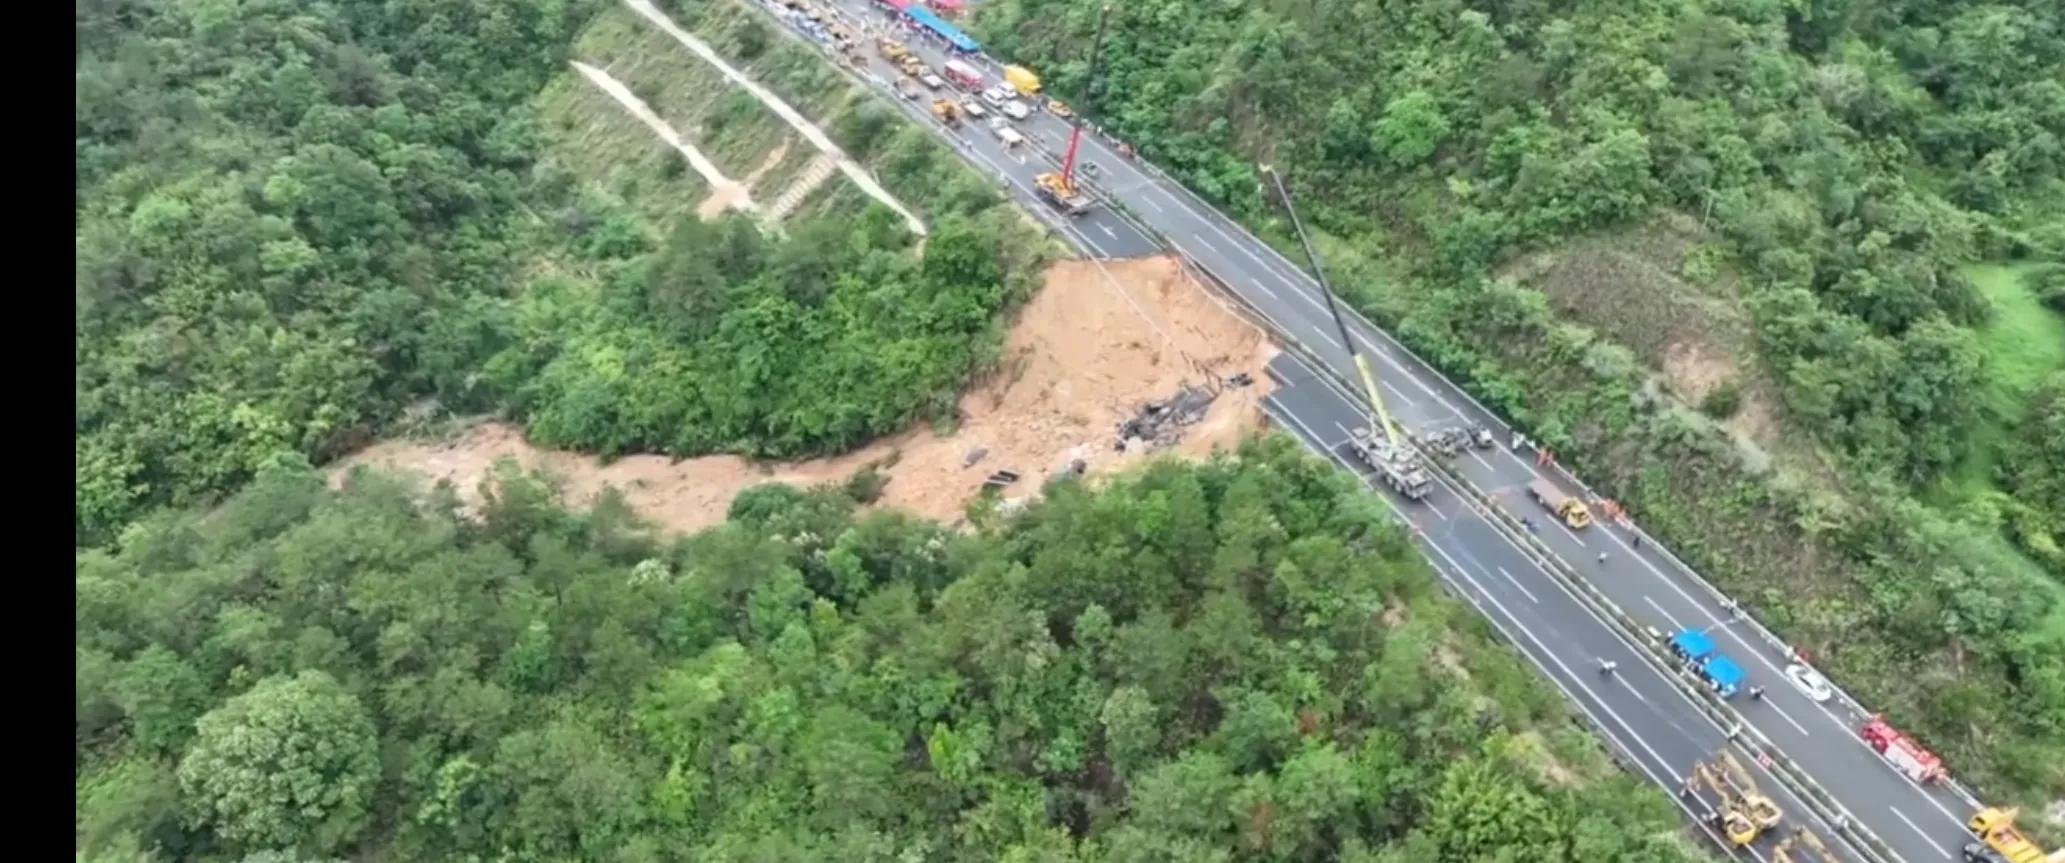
[1692,644]
[943,30]
[1723,674]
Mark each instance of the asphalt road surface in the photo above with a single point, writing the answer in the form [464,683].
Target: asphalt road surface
[1643,714]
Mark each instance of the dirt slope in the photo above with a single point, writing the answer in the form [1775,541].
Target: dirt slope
[1092,346]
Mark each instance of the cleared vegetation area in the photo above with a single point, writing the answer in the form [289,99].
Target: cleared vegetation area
[1718,255]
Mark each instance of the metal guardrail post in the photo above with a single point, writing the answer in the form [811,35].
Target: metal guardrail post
[1753,743]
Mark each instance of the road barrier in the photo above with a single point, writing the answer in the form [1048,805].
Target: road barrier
[1717,710]
[1743,735]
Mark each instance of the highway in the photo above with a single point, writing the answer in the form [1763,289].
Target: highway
[1653,722]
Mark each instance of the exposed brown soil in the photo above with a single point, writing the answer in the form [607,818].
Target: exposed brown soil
[1081,356]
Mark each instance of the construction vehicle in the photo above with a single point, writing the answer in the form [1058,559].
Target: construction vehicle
[1056,189]
[947,112]
[912,66]
[1785,852]
[1022,80]
[1995,826]
[1398,466]
[1906,756]
[1697,650]
[1564,506]
[1745,812]
[892,50]
[1977,852]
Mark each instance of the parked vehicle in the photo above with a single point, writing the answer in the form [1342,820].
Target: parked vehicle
[1016,110]
[995,96]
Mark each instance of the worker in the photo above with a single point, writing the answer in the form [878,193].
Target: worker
[1527,522]
[1606,666]
[1638,542]
[1757,693]
[1517,441]
[1602,558]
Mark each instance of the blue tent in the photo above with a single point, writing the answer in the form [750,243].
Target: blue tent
[949,32]
[1724,674]
[1692,644]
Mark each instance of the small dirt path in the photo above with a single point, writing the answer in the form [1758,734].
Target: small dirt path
[725,193]
[816,136]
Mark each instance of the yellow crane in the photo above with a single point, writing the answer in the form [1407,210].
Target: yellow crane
[1745,812]
[1398,465]
[1802,836]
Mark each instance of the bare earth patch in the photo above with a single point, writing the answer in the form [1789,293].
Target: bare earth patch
[1081,357]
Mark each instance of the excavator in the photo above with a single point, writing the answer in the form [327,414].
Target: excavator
[1745,812]
[1059,187]
[1784,853]
[947,112]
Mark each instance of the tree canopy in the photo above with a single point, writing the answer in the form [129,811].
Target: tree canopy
[1243,660]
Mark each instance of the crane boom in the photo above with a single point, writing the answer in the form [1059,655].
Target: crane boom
[1369,381]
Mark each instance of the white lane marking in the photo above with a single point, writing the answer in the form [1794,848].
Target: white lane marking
[1630,688]
[1149,201]
[1265,289]
[1107,230]
[1423,502]
[1480,460]
[1787,716]
[1566,529]
[1675,625]
[1918,830]
[1574,676]
[1395,391]
[1517,585]
[1676,780]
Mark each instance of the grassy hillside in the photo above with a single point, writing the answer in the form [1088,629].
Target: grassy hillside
[355,675]
[1599,216]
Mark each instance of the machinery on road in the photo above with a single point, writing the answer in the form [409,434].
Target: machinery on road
[1996,827]
[1059,188]
[1056,189]
[947,112]
[1399,467]
[960,72]
[1906,756]
[1786,850]
[1744,811]
[1022,80]
[892,50]
[1562,504]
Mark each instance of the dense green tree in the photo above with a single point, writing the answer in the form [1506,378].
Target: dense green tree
[289,764]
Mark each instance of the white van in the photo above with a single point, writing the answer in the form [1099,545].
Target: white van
[1016,110]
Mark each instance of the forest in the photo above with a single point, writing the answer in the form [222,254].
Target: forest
[368,672]
[299,223]
[1840,166]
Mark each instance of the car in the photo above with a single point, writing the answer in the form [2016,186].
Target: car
[932,82]
[1060,109]
[1016,110]
[995,96]
[974,108]
[1809,682]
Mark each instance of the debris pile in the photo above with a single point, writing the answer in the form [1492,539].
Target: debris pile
[1160,423]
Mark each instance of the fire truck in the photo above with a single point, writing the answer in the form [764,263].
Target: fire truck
[1904,754]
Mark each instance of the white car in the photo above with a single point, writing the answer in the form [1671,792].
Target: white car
[1809,682]
[995,96]
[932,81]
[1016,110]
[974,108]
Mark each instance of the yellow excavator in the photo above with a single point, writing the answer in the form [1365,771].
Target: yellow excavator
[1786,851]
[1745,812]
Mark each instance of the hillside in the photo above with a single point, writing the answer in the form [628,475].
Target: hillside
[1279,679]
[1718,254]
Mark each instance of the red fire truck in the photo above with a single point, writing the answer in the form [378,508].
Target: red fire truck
[1904,754]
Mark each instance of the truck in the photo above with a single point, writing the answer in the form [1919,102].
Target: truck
[959,72]
[1397,465]
[1906,756]
[1697,651]
[947,112]
[1562,505]
[892,50]
[1022,80]
[1996,827]
[1063,194]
